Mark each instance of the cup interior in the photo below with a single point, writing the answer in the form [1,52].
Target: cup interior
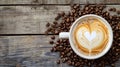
[71,39]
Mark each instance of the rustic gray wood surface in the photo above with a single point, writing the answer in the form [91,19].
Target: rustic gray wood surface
[29,51]
[58,1]
[29,17]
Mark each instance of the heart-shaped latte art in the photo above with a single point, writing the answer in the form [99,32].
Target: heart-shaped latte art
[91,36]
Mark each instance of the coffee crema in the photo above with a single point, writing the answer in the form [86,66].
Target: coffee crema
[91,36]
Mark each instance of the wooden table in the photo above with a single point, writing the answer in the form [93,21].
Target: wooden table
[22,27]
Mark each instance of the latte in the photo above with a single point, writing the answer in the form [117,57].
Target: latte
[91,36]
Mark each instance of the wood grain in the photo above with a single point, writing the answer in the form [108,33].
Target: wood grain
[58,1]
[27,19]
[27,51]
[30,19]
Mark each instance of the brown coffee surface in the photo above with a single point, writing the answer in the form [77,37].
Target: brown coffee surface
[91,36]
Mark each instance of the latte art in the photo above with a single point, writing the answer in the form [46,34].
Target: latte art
[91,36]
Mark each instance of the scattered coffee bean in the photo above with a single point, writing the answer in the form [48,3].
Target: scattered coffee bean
[51,42]
[63,60]
[118,12]
[53,49]
[55,22]
[69,62]
[112,9]
[52,37]
[58,62]
[75,7]
[113,65]
[68,20]
[58,16]
[48,24]
[73,63]
[86,8]
[56,32]
[46,32]
[62,14]
[73,11]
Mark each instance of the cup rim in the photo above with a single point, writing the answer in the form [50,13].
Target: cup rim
[109,44]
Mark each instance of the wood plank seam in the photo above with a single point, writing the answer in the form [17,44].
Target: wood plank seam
[25,34]
[51,4]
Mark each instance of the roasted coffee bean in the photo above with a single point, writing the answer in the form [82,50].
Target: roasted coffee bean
[73,63]
[57,43]
[51,42]
[86,8]
[58,40]
[53,49]
[112,9]
[89,64]
[48,24]
[49,29]
[55,22]
[75,7]
[62,56]
[68,54]
[71,14]
[56,32]
[68,20]
[66,58]
[101,8]
[118,12]
[75,56]
[77,10]
[73,11]
[110,17]
[58,62]
[69,62]
[52,37]
[78,5]
[53,25]
[106,14]
[62,53]
[58,16]
[62,14]
[112,65]
[63,60]
[72,19]
[46,32]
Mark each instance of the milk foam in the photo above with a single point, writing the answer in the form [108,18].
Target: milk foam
[91,36]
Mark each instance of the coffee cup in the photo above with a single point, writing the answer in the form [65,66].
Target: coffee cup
[90,36]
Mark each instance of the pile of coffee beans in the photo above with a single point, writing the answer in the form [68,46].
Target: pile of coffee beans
[63,22]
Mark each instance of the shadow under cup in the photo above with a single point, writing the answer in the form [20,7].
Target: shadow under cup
[78,40]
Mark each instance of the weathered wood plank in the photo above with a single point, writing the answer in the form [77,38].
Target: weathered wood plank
[27,19]
[25,46]
[58,1]
[111,1]
[30,19]
[29,51]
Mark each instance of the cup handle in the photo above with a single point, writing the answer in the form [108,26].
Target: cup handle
[64,35]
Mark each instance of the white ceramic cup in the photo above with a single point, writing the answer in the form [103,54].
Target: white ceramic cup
[69,36]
